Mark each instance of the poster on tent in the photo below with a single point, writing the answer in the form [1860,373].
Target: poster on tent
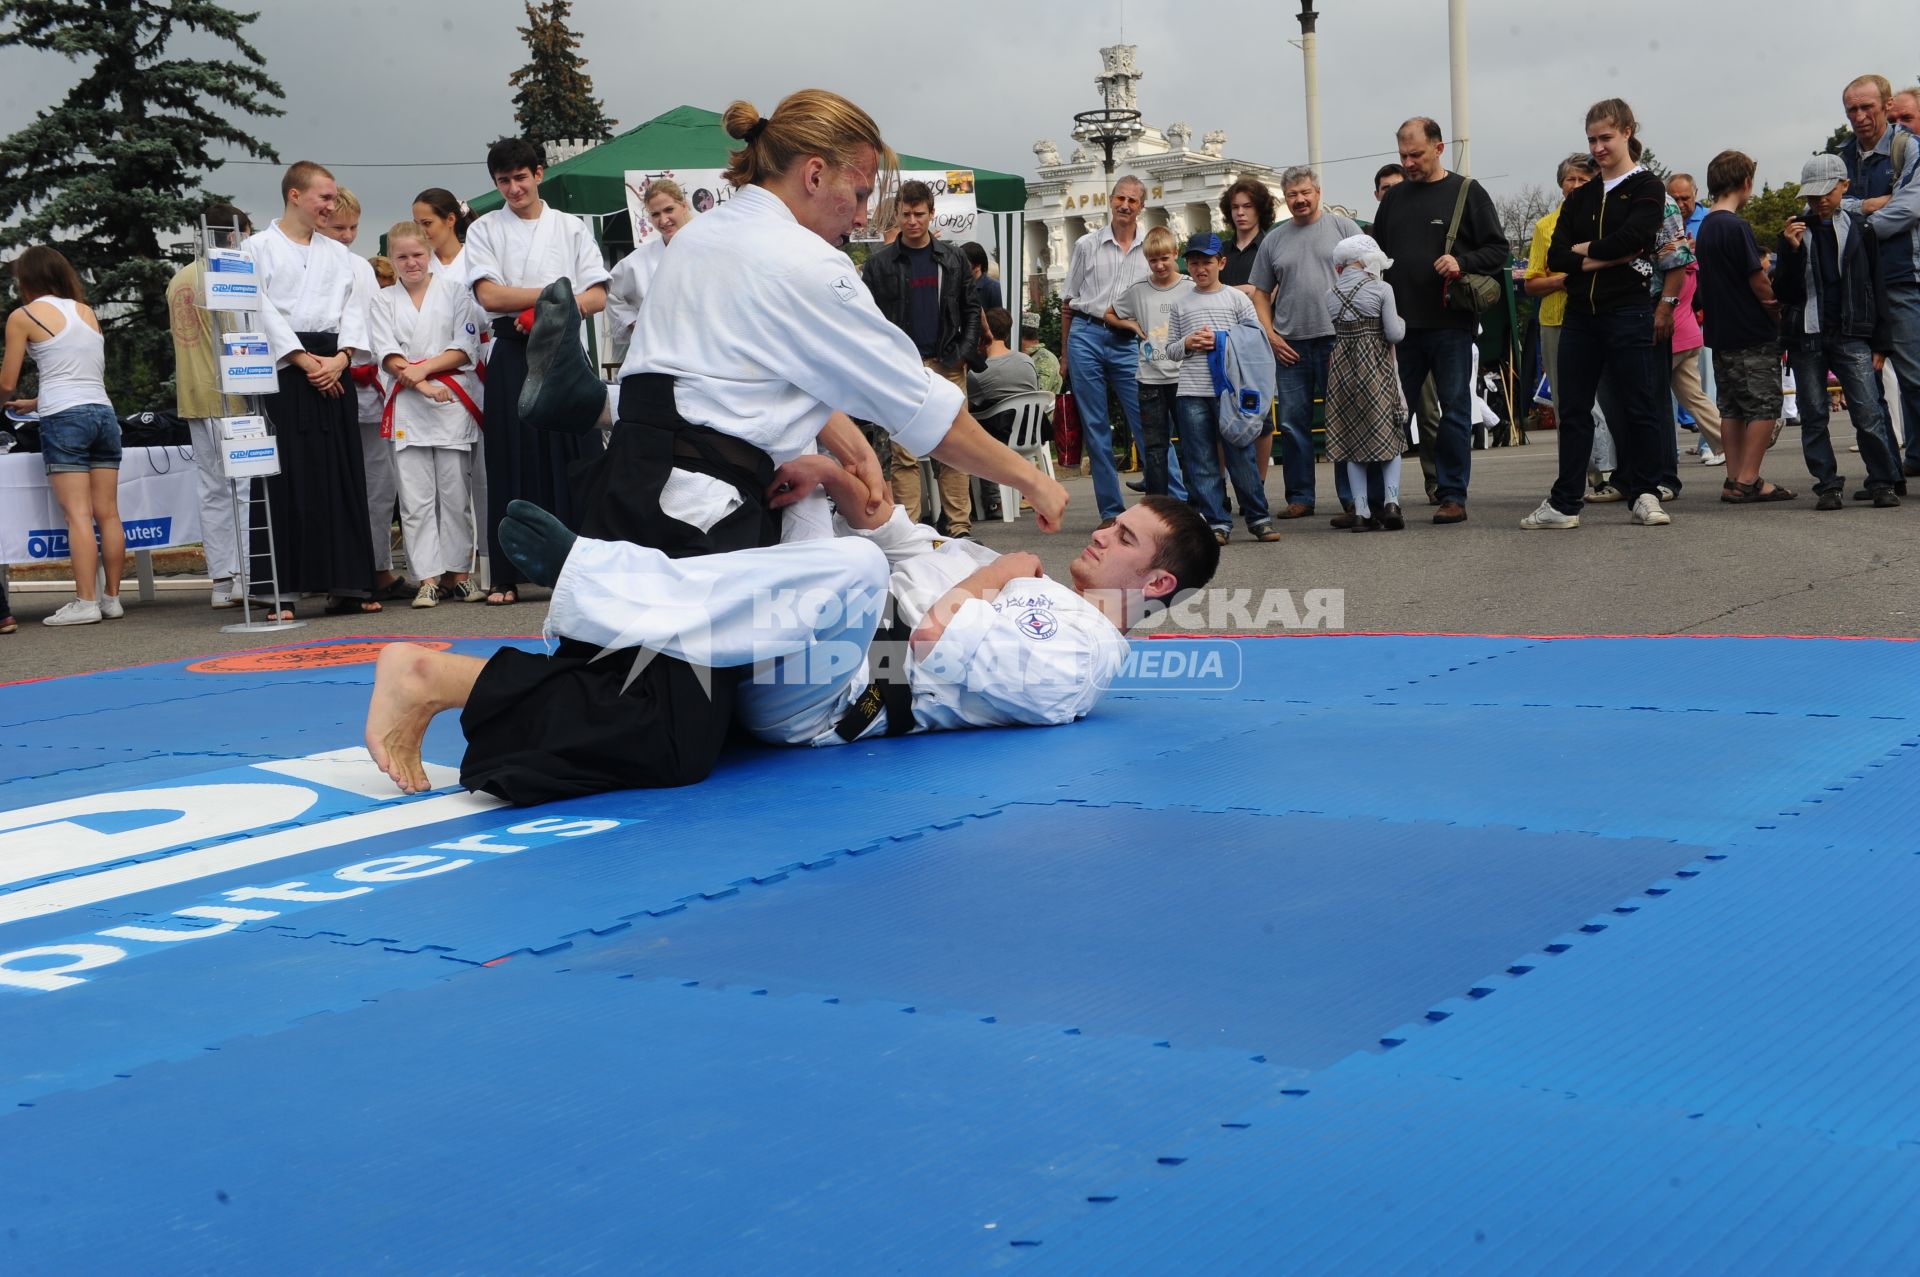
[954,210]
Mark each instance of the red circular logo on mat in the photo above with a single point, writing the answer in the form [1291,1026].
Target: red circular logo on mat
[300,658]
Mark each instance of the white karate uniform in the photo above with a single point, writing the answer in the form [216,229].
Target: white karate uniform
[532,252]
[307,289]
[632,276]
[766,329]
[432,442]
[804,614]
[376,453]
[476,458]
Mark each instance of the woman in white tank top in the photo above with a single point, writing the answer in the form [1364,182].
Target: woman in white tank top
[79,433]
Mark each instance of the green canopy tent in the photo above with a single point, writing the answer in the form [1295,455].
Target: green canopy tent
[593,183]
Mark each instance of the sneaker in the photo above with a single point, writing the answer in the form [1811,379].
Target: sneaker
[467,591]
[78,612]
[1264,532]
[1647,512]
[1885,499]
[427,596]
[1829,501]
[1666,493]
[1712,458]
[1220,536]
[1606,492]
[1548,519]
[225,597]
[112,609]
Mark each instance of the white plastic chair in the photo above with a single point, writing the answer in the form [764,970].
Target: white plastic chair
[1027,437]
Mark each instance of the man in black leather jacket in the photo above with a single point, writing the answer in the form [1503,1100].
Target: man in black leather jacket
[926,288]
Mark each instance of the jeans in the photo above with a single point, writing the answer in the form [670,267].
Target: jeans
[1665,463]
[1159,466]
[1446,353]
[1096,355]
[1616,345]
[1903,316]
[1849,359]
[1200,445]
[1296,388]
[1603,461]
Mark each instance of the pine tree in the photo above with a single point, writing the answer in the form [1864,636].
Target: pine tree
[119,161]
[553,94]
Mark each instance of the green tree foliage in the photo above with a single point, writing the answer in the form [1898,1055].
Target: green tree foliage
[1768,211]
[118,162]
[553,94]
[1653,164]
[1840,136]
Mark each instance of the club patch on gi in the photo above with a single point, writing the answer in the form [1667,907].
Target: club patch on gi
[1038,623]
[843,289]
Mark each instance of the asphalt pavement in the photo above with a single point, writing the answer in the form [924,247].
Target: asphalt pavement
[1718,569]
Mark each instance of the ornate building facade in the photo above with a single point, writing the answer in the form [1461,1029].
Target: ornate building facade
[1184,183]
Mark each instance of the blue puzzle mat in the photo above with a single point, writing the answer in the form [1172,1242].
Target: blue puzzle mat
[1384,954]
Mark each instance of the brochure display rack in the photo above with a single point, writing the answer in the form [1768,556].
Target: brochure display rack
[229,294]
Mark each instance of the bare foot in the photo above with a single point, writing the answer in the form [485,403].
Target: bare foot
[401,710]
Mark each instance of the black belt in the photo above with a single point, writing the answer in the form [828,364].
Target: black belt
[646,398]
[890,689]
[507,328]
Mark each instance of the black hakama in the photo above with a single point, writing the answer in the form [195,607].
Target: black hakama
[523,463]
[321,539]
[541,728]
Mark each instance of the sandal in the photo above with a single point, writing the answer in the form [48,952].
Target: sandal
[344,605]
[1753,491]
[502,598]
[277,612]
[395,589]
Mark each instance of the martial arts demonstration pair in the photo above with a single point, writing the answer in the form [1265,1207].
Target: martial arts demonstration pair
[736,558]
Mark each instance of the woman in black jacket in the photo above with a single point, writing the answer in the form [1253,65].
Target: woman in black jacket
[1605,241]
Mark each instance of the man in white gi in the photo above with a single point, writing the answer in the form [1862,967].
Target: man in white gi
[315,319]
[511,254]
[989,639]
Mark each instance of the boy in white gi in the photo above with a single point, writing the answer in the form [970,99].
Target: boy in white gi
[375,452]
[314,315]
[426,335]
[989,639]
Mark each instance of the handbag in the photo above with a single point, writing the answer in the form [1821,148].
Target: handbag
[1474,294]
[1066,429]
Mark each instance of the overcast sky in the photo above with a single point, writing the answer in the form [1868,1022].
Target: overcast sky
[424,86]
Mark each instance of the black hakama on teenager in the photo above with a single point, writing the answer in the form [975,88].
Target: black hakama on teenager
[321,539]
[524,463]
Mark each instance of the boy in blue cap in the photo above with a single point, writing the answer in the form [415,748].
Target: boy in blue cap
[1197,317]
[1834,318]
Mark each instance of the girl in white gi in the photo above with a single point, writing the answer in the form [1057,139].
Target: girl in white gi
[1366,420]
[79,433]
[512,253]
[756,330]
[444,216]
[314,316]
[444,220]
[667,211]
[375,453]
[426,336]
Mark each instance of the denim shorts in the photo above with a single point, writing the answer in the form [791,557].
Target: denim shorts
[84,437]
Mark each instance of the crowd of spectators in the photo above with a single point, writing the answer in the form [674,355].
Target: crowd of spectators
[1659,312]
